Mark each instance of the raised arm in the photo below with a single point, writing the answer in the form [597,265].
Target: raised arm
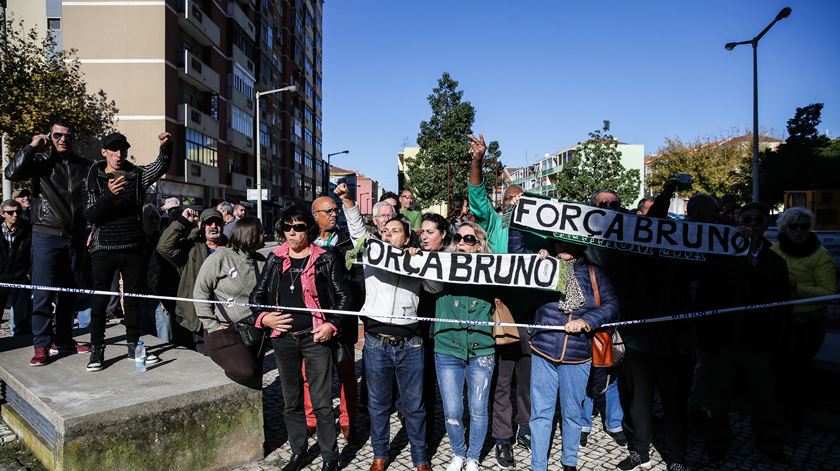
[352,213]
[171,245]
[152,172]
[21,167]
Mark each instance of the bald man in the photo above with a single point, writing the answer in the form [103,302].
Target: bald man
[331,238]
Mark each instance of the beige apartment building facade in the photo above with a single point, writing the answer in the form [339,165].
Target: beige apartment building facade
[192,68]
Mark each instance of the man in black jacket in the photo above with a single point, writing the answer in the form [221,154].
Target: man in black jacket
[58,233]
[114,191]
[15,263]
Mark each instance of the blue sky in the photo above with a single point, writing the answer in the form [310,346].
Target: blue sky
[542,74]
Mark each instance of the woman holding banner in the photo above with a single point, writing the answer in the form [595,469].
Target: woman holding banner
[561,359]
[393,349]
[465,352]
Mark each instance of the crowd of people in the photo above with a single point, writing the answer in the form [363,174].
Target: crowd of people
[91,219]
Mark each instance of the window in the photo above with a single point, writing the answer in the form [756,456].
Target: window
[54,24]
[310,92]
[243,81]
[298,128]
[318,125]
[241,121]
[317,146]
[265,136]
[200,148]
[317,104]
[243,41]
[308,19]
[307,66]
[317,82]
[307,160]
[298,23]
[307,137]
[298,157]
[307,115]
[308,43]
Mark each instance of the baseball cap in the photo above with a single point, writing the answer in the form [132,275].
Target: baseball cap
[115,140]
[210,213]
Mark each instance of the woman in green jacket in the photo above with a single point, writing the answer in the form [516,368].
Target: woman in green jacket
[464,351]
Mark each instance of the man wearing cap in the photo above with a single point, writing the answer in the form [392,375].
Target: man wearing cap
[186,247]
[58,233]
[114,191]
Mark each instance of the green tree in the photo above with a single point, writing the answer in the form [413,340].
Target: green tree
[717,166]
[807,160]
[39,82]
[597,165]
[444,148]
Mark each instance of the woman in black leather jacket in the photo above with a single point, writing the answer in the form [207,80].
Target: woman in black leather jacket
[299,274]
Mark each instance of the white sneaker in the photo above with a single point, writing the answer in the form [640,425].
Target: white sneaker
[472,465]
[456,465]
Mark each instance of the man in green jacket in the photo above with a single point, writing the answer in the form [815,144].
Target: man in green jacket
[186,247]
[514,358]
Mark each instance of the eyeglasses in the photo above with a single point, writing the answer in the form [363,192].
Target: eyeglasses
[12,213]
[297,227]
[752,220]
[468,239]
[609,204]
[804,226]
[67,136]
[328,211]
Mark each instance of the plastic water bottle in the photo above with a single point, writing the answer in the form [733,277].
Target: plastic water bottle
[140,356]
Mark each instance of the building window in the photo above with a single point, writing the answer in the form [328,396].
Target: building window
[241,121]
[298,128]
[307,160]
[318,104]
[54,24]
[310,92]
[242,81]
[307,66]
[307,115]
[307,137]
[298,157]
[318,125]
[317,146]
[298,23]
[200,148]
[243,41]
[265,136]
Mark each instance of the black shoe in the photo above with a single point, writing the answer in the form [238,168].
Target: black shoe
[619,437]
[151,358]
[296,463]
[775,454]
[330,465]
[504,456]
[584,437]
[569,468]
[97,358]
[635,461]
[524,440]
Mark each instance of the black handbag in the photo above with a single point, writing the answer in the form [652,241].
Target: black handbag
[343,353]
[251,335]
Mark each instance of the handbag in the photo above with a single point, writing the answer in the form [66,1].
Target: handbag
[504,334]
[343,354]
[607,345]
[250,334]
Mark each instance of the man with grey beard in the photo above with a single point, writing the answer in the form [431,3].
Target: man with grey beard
[186,243]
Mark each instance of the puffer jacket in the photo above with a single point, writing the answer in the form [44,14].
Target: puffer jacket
[386,292]
[557,346]
[811,268]
[465,341]
[57,189]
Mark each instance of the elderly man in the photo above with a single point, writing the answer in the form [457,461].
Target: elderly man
[383,212]
[415,218]
[114,190]
[226,209]
[59,233]
[15,263]
[186,243]
[330,237]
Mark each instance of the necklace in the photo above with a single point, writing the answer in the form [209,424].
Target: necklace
[293,277]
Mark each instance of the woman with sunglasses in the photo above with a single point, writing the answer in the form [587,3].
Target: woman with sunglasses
[299,274]
[812,273]
[230,274]
[465,352]
[393,346]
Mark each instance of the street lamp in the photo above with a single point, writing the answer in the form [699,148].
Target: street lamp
[290,88]
[784,13]
[329,166]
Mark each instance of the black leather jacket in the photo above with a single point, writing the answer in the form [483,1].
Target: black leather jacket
[57,189]
[330,283]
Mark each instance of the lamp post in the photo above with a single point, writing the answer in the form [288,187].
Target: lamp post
[784,13]
[290,88]
[329,165]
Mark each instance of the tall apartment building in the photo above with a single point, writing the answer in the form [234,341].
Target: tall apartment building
[192,68]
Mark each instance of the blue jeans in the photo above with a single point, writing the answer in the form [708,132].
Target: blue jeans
[383,364]
[20,308]
[55,259]
[613,414]
[154,319]
[547,380]
[451,373]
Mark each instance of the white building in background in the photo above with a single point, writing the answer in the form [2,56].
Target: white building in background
[541,177]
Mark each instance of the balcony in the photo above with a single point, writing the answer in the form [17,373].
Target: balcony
[241,141]
[198,74]
[241,181]
[239,16]
[243,102]
[197,24]
[193,118]
[200,174]
[242,59]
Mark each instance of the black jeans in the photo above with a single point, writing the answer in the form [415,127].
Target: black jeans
[289,352]
[510,361]
[642,373]
[104,264]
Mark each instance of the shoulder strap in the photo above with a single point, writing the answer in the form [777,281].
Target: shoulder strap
[594,286]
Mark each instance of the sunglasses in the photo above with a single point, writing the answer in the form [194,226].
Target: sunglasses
[752,220]
[59,135]
[14,212]
[328,211]
[801,227]
[609,204]
[468,239]
[297,227]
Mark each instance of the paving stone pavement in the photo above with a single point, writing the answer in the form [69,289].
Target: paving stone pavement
[815,450]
